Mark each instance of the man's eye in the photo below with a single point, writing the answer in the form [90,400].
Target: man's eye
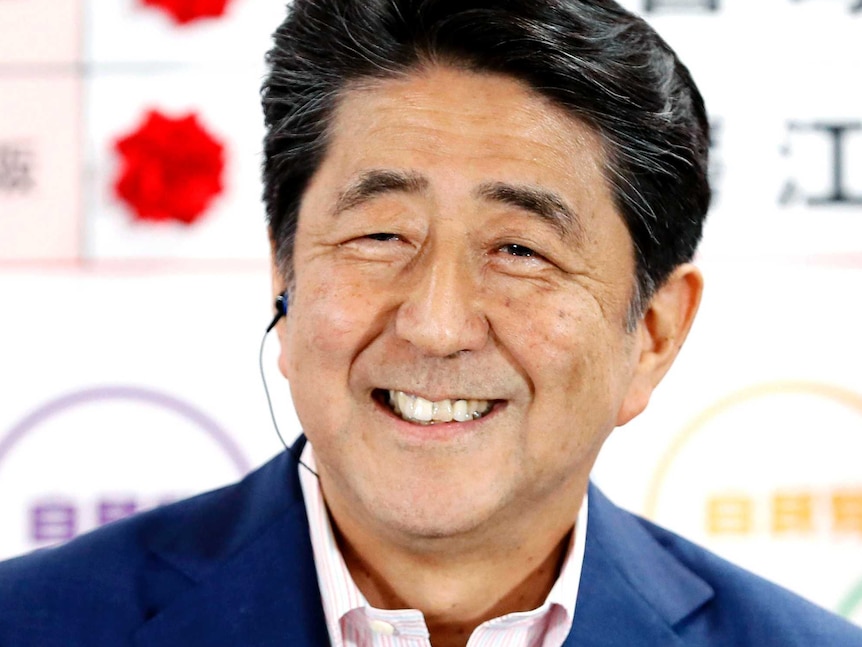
[383,236]
[518,250]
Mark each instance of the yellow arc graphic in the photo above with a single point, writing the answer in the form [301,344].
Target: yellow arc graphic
[838,394]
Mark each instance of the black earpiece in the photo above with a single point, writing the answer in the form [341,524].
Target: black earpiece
[280,306]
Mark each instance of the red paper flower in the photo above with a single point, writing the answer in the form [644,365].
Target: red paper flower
[171,169]
[186,11]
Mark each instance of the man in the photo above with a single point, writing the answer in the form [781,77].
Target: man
[482,216]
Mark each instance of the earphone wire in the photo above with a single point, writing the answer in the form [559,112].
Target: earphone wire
[269,402]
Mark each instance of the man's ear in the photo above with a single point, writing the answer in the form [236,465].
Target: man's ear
[279,285]
[660,334]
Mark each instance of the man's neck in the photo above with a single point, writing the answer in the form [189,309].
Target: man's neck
[457,597]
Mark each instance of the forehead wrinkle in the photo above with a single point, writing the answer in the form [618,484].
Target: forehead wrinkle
[376,182]
[545,204]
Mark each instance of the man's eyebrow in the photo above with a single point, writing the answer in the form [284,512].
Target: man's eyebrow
[376,182]
[547,205]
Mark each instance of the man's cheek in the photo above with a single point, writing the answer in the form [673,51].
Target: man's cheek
[333,324]
[544,328]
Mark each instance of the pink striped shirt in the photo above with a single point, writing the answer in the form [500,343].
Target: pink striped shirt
[352,622]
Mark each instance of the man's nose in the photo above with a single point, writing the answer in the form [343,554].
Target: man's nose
[441,313]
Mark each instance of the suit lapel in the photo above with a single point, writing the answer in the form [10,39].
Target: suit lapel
[632,590]
[247,569]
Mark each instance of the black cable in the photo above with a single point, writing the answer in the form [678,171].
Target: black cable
[269,401]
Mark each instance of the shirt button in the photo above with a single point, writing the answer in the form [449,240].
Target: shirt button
[381,627]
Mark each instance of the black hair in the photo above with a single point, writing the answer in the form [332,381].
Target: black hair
[592,58]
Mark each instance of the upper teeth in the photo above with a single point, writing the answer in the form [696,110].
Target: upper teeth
[418,409]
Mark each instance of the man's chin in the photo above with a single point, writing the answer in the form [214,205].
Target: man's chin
[431,522]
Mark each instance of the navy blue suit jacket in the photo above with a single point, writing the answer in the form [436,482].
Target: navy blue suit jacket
[234,568]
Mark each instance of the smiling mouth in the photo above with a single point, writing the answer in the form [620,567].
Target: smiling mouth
[418,410]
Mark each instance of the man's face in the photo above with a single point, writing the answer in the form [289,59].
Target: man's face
[456,343]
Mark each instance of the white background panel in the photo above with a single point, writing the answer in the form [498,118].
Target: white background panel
[190,337]
[128,31]
[40,31]
[40,218]
[228,107]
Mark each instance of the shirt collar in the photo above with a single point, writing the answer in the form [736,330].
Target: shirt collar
[341,596]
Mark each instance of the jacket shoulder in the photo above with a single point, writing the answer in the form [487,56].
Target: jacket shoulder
[747,609]
[96,589]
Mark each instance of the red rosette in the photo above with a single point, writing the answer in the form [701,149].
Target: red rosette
[171,169]
[184,12]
